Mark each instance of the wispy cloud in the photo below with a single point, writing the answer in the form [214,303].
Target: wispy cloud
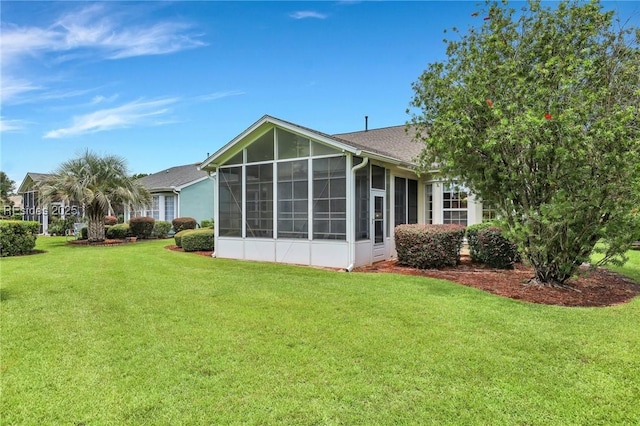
[10,125]
[219,95]
[136,113]
[305,14]
[89,32]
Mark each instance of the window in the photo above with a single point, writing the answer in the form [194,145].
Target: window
[293,196]
[291,146]
[377,177]
[259,204]
[362,202]
[230,202]
[261,149]
[169,207]
[454,204]
[329,198]
[155,208]
[429,199]
[488,213]
[406,201]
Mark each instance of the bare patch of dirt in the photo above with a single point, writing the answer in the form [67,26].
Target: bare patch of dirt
[599,287]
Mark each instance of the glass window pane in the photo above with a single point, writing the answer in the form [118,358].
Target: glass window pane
[321,149]
[261,149]
[236,159]
[377,177]
[291,145]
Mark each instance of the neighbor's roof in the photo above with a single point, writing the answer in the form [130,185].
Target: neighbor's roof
[173,178]
[30,178]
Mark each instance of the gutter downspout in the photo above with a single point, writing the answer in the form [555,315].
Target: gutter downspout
[352,247]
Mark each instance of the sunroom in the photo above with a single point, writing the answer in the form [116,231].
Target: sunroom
[290,194]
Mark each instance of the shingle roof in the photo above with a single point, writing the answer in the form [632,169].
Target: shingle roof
[173,177]
[26,186]
[392,142]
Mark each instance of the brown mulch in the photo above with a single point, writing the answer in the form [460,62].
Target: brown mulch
[115,242]
[598,287]
[201,253]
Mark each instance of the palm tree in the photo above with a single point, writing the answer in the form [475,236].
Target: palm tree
[97,183]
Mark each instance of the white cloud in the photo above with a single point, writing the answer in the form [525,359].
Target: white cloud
[149,113]
[304,14]
[219,95]
[99,99]
[10,125]
[90,32]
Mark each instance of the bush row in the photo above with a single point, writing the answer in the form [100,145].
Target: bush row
[489,246]
[17,237]
[429,246]
[182,223]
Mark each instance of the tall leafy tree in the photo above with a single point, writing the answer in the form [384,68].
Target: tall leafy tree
[7,186]
[97,183]
[537,111]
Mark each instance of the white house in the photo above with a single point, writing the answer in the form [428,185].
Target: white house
[290,194]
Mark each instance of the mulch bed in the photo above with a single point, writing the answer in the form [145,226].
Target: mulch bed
[201,253]
[598,287]
[101,243]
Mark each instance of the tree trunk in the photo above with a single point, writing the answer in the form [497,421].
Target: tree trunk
[95,228]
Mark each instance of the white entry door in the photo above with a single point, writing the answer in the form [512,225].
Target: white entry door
[378,224]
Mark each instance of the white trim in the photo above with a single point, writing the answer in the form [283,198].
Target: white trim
[284,125]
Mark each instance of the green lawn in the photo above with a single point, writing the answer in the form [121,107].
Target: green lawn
[137,334]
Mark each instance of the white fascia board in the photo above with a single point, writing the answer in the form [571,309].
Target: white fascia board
[193,182]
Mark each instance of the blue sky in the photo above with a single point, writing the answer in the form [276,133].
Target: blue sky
[164,83]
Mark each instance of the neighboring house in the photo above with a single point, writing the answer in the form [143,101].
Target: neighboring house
[31,208]
[178,192]
[290,194]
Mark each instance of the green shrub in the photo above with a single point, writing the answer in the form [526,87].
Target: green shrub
[198,240]
[110,220]
[60,226]
[178,236]
[472,239]
[120,218]
[84,233]
[141,227]
[206,223]
[17,237]
[495,250]
[182,223]
[429,246]
[161,229]
[117,232]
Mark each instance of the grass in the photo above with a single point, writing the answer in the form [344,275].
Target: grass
[137,334]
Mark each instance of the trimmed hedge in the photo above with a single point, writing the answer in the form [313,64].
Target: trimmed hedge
[161,229]
[429,246]
[206,223]
[141,227]
[110,220]
[17,237]
[117,232]
[472,239]
[489,246]
[198,240]
[178,236]
[182,223]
